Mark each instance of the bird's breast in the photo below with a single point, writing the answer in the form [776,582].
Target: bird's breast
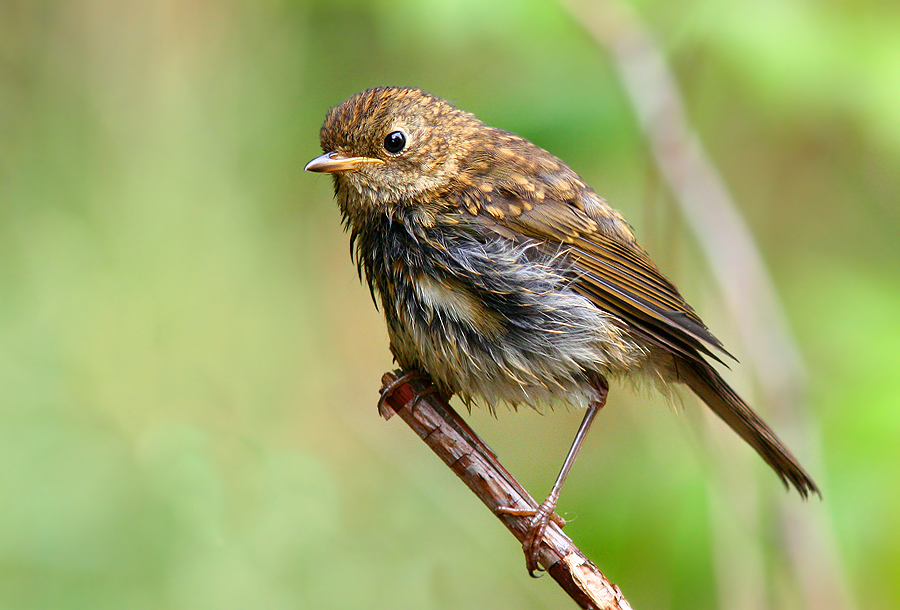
[451,299]
[486,317]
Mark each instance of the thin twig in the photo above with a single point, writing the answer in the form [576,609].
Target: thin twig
[736,262]
[451,438]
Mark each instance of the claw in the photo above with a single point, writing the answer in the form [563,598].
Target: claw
[531,512]
[532,544]
[541,518]
[430,389]
[387,391]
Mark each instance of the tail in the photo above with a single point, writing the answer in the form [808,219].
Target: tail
[731,408]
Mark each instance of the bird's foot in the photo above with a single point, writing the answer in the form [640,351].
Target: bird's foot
[540,519]
[385,410]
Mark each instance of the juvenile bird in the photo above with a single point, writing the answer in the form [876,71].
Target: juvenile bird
[506,279]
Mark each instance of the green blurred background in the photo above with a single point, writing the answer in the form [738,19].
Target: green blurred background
[188,365]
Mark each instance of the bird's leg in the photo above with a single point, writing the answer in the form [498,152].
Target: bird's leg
[544,513]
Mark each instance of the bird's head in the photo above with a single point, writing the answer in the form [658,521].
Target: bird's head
[389,145]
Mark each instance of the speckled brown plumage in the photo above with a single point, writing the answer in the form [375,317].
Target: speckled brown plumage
[503,275]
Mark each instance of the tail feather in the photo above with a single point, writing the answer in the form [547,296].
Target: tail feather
[706,383]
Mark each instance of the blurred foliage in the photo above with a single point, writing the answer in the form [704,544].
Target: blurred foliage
[188,365]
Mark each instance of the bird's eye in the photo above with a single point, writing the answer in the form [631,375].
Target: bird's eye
[395,142]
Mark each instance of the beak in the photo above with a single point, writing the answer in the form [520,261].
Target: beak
[336,162]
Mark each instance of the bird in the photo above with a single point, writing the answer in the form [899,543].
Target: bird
[505,279]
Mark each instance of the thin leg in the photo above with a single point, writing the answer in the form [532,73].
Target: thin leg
[542,516]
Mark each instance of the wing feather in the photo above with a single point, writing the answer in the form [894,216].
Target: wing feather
[613,272]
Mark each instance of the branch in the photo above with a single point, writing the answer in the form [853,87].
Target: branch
[451,438]
[738,267]
[699,190]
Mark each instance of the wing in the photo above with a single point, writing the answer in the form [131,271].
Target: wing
[610,268]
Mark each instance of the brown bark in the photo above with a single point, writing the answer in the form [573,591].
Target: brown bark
[451,438]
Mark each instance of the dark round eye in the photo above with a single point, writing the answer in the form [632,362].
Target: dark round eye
[395,142]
